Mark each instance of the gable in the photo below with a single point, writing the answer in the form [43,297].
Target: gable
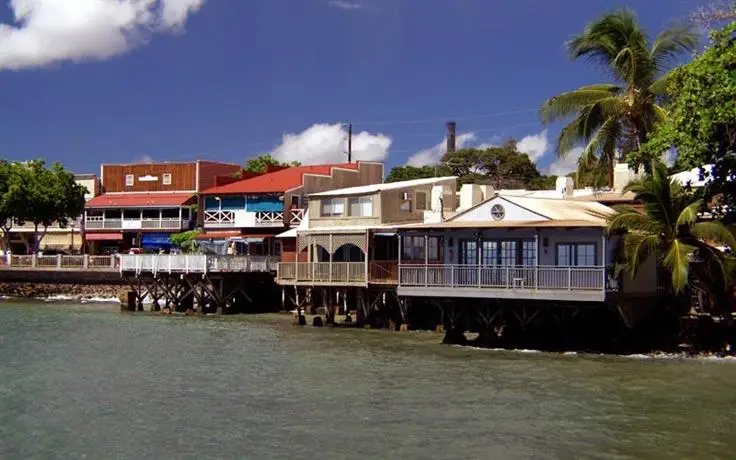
[511,212]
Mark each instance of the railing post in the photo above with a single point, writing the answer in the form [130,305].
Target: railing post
[112,261]
[34,260]
[479,283]
[85,261]
[569,278]
[507,277]
[58,260]
[426,274]
[452,276]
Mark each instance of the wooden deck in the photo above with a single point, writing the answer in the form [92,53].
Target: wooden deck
[337,273]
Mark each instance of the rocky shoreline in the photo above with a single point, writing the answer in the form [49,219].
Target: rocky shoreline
[67,291]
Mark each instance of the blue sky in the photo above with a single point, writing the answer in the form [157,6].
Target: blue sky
[226,79]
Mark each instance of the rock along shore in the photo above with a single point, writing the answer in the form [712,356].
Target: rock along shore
[70,291]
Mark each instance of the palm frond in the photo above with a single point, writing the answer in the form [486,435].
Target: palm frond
[638,247]
[671,44]
[714,232]
[574,102]
[689,215]
[629,219]
[677,262]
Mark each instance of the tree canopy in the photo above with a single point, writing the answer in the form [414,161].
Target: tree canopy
[503,167]
[702,122]
[612,119]
[259,163]
[32,192]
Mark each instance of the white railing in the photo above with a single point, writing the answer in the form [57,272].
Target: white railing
[97,223]
[322,272]
[270,218]
[195,263]
[296,216]
[504,277]
[59,262]
[224,219]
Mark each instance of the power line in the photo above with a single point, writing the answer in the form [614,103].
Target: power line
[438,120]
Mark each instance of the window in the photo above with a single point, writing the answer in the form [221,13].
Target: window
[421,201]
[507,255]
[167,179]
[528,253]
[405,205]
[576,254]
[489,252]
[333,207]
[500,252]
[413,248]
[469,252]
[129,180]
[361,206]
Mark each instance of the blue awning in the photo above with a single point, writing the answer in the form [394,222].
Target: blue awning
[156,240]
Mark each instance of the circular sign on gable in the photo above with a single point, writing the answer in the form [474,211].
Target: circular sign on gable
[497,212]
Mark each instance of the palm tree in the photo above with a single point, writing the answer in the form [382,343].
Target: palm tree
[612,119]
[669,229]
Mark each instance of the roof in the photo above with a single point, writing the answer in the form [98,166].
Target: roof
[230,234]
[506,224]
[139,200]
[553,209]
[276,182]
[692,177]
[373,188]
[85,176]
[607,197]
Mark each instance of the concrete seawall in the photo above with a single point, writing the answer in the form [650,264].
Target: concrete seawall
[74,283]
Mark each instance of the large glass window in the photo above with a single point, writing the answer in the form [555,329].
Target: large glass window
[528,253]
[576,254]
[414,248]
[489,252]
[361,206]
[333,207]
[469,252]
[508,254]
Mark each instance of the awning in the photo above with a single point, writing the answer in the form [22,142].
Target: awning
[60,240]
[385,234]
[291,233]
[156,240]
[103,236]
[140,200]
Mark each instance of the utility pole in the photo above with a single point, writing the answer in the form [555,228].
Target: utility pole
[350,142]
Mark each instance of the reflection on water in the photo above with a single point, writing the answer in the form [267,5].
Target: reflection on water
[90,382]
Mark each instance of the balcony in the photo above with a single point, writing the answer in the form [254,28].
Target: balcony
[504,282]
[164,223]
[195,263]
[327,273]
[249,219]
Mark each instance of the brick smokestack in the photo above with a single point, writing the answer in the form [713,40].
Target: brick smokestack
[451,127]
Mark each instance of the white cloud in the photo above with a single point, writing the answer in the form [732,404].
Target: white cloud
[344,5]
[566,165]
[324,143]
[144,159]
[434,154]
[534,145]
[52,31]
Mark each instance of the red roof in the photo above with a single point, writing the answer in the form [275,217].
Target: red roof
[277,181]
[139,200]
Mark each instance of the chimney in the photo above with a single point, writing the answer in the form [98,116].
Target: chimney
[451,125]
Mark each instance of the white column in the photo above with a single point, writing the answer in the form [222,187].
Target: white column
[426,259]
[536,258]
[398,235]
[603,258]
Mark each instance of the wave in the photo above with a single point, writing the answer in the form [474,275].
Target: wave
[712,357]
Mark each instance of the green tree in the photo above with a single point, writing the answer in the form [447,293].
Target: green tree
[186,241]
[402,173]
[13,191]
[668,228]
[702,121]
[501,166]
[612,119]
[259,163]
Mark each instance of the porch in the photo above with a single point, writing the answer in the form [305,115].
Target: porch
[338,273]
[562,283]
[138,219]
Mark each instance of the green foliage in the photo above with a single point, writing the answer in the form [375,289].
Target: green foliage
[186,241]
[401,173]
[502,167]
[612,119]
[668,229]
[32,192]
[258,164]
[702,121]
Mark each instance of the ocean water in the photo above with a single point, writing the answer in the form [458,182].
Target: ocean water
[86,381]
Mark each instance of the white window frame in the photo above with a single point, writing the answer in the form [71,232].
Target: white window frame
[129,180]
[365,206]
[166,180]
[332,207]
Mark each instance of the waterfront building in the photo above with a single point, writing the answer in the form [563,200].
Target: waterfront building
[57,239]
[250,212]
[142,204]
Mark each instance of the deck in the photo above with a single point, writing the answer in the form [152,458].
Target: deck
[585,284]
[59,263]
[337,273]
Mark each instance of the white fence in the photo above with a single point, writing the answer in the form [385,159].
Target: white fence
[323,272]
[60,262]
[503,277]
[195,263]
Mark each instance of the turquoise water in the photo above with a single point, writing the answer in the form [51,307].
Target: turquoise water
[90,382]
